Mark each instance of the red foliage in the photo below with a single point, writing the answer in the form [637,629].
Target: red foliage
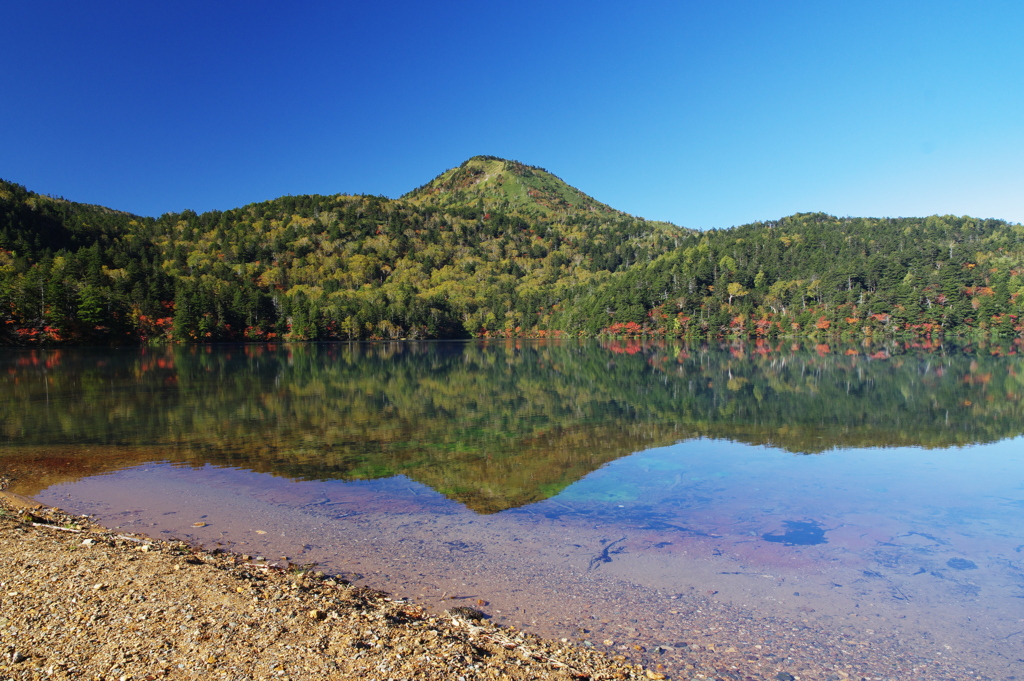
[624,329]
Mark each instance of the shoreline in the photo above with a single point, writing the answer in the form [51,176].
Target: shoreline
[909,340]
[82,601]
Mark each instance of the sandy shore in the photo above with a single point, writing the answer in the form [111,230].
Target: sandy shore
[83,602]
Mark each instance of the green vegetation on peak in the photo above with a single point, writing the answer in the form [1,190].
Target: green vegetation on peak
[496,184]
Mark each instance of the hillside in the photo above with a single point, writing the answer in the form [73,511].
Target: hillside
[491,248]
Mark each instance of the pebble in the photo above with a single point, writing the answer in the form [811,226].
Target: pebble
[469,614]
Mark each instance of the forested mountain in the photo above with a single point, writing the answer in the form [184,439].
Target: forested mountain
[493,247]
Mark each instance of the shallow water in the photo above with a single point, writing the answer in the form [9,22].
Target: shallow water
[647,495]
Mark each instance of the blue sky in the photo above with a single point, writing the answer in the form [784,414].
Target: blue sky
[708,114]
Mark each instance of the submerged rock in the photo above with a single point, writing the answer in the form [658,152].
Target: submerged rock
[961,564]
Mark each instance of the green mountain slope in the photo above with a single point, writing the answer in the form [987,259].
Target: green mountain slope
[510,187]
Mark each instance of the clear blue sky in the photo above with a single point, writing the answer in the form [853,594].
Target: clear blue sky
[708,114]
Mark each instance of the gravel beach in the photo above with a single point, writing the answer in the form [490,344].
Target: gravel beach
[82,602]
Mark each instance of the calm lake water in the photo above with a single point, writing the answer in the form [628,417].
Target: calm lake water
[815,508]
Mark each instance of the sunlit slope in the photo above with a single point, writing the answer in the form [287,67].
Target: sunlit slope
[508,186]
[500,185]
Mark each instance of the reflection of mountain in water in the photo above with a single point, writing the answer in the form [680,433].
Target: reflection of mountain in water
[492,425]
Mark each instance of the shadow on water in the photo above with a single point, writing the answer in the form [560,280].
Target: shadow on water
[798,533]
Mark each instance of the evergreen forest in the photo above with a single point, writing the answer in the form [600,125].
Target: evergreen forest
[492,248]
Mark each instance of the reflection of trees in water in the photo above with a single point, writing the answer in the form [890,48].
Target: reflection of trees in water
[823,398]
[503,423]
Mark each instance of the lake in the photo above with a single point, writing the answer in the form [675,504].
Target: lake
[824,511]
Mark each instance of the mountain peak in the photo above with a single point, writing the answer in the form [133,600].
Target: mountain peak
[506,185]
